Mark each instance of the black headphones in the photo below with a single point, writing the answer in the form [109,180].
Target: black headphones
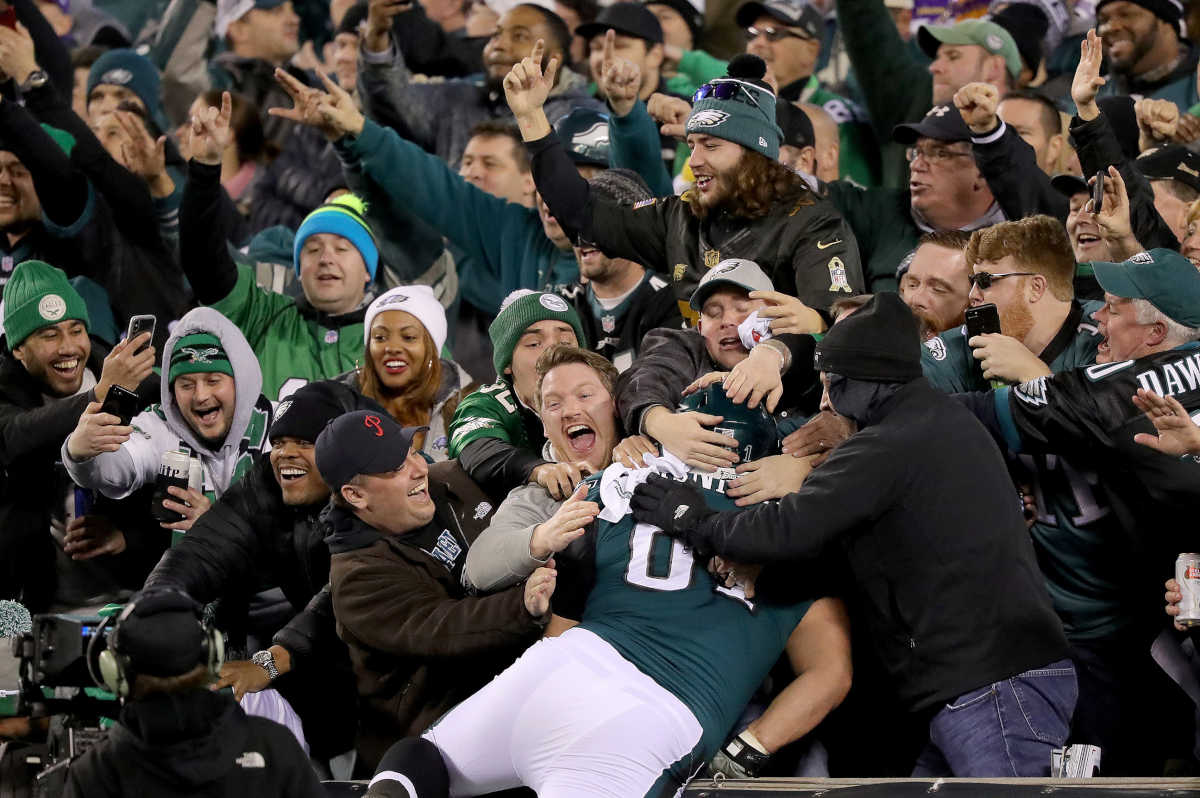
[116,668]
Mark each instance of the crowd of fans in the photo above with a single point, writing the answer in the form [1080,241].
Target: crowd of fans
[586,397]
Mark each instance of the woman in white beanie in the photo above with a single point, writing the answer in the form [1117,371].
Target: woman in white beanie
[404,331]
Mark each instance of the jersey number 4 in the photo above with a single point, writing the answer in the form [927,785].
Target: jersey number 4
[645,571]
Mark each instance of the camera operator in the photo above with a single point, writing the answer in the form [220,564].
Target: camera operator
[174,736]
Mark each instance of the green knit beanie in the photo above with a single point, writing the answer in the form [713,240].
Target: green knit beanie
[38,295]
[520,309]
[198,353]
[739,108]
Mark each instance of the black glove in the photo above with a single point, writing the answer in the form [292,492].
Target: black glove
[674,507]
[737,759]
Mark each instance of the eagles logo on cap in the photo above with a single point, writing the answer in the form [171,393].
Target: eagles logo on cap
[394,299]
[709,117]
[553,302]
[52,307]
[117,76]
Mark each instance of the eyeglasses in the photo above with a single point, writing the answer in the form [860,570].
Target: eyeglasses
[934,155]
[725,90]
[774,34]
[984,280]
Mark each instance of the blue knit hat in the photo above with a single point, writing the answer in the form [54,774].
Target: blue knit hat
[345,216]
[135,72]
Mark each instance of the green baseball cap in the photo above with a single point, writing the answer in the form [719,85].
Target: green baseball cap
[1163,277]
[980,32]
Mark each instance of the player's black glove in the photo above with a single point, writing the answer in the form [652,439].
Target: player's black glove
[675,507]
[737,759]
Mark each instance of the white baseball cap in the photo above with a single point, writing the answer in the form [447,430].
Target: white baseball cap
[738,272]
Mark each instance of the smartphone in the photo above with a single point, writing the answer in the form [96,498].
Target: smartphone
[982,319]
[122,403]
[139,325]
[8,17]
[1098,192]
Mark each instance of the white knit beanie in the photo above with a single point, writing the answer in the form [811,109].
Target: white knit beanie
[417,300]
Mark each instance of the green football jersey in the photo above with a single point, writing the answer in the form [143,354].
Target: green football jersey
[494,411]
[656,604]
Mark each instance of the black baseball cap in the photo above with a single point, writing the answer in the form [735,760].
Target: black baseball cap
[362,442]
[1172,162]
[630,19]
[796,126]
[693,16]
[792,13]
[941,122]
[1069,185]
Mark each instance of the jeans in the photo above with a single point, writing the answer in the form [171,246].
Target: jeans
[1003,729]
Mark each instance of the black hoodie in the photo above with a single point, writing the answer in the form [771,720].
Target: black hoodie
[195,743]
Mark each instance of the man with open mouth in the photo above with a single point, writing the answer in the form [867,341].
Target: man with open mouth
[211,406]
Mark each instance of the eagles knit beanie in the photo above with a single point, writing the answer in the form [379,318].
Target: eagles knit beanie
[135,72]
[198,353]
[417,300]
[346,216]
[880,342]
[1169,11]
[520,309]
[739,108]
[38,295]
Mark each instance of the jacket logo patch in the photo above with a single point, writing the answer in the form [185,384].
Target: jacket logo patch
[481,510]
[446,550]
[680,270]
[837,276]
[646,203]
[710,117]
[251,759]
[1033,392]
[52,307]
[936,347]
[711,258]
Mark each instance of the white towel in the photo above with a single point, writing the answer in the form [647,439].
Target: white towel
[618,482]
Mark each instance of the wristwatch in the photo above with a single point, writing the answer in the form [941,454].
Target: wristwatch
[37,78]
[266,660]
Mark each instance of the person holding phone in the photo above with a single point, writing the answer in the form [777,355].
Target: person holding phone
[211,405]
[50,372]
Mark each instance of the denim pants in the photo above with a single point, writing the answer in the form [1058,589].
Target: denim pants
[1003,729]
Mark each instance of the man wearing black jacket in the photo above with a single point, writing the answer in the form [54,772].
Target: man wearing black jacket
[264,531]
[952,596]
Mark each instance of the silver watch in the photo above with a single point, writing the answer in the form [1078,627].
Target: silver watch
[266,660]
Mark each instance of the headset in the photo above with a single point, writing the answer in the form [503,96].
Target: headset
[116,668]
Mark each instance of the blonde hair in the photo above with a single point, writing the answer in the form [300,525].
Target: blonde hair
[563,355]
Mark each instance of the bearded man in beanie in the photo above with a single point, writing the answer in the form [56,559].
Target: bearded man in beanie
[496,434]
[318,336]
[211,405]
[1145,54]
[926,584]
[745,203]
[49,376]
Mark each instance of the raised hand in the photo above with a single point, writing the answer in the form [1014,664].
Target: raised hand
[1113,218]
[143,155]
[211,133]
[125,366]
[977,103]
[568,522]
[1175,432]
[17,58]
[619,79]
[526,88]
[1087,80]
[380,14]
[671,113]
[539,588]
[757,378]
[1157,122]
[95,434]
[332,111]
[92,536]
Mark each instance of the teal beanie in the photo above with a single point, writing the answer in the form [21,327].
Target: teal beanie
[739,108]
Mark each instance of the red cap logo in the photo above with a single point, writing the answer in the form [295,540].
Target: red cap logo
[374,422]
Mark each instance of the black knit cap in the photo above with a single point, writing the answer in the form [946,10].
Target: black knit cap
[306,412]
[354,16]
[1169,11]
[1028,25]
[622,186]
[879,342]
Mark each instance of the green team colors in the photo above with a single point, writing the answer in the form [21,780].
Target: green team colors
[950,365]
[658,606]
[293,348]
[1134,506]
[492,412]
[1075,534]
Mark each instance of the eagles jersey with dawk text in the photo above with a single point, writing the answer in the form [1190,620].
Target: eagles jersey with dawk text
[1087,416]
[658,606]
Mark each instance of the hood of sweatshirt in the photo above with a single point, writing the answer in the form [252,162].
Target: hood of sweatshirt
[247,377]
[190,738]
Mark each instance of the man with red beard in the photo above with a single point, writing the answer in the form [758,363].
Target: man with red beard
[745,203]
[1026,268]
[936,283]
